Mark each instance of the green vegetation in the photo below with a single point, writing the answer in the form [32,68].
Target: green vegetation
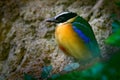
[29,77]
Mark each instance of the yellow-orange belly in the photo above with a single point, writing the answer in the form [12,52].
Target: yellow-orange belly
[70,42]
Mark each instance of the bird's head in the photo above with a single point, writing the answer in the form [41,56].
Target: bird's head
[62,17]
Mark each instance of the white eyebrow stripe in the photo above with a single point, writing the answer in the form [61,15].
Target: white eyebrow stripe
[61,14]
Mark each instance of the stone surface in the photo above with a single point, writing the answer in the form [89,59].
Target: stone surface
[27,41]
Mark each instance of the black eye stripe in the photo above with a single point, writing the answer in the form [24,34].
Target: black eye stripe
[64,16]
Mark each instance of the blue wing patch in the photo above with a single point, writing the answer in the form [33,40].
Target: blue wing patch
[81,34]
[84,30]
[93,47]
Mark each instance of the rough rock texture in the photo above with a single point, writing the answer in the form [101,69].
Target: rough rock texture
[27,41]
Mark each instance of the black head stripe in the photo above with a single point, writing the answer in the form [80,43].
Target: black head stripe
[64,16]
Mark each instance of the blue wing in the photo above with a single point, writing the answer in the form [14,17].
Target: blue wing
[84,30]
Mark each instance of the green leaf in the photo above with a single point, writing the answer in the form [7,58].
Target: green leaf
[96,69]
[55,76]
[28,77]
[114,39]
[115,25]
[93,71]
[117,3]
[46,71]
[71,66]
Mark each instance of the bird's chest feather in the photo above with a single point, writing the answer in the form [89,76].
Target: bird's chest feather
[67,37]
[65,34]
[69,41]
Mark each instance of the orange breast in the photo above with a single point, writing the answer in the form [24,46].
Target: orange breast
[70,41]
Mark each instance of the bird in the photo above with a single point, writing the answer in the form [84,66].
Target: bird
[74,36]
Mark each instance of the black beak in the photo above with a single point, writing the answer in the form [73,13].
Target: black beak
[50,20]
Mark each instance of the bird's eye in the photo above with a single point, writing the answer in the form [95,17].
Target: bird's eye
[61,18]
